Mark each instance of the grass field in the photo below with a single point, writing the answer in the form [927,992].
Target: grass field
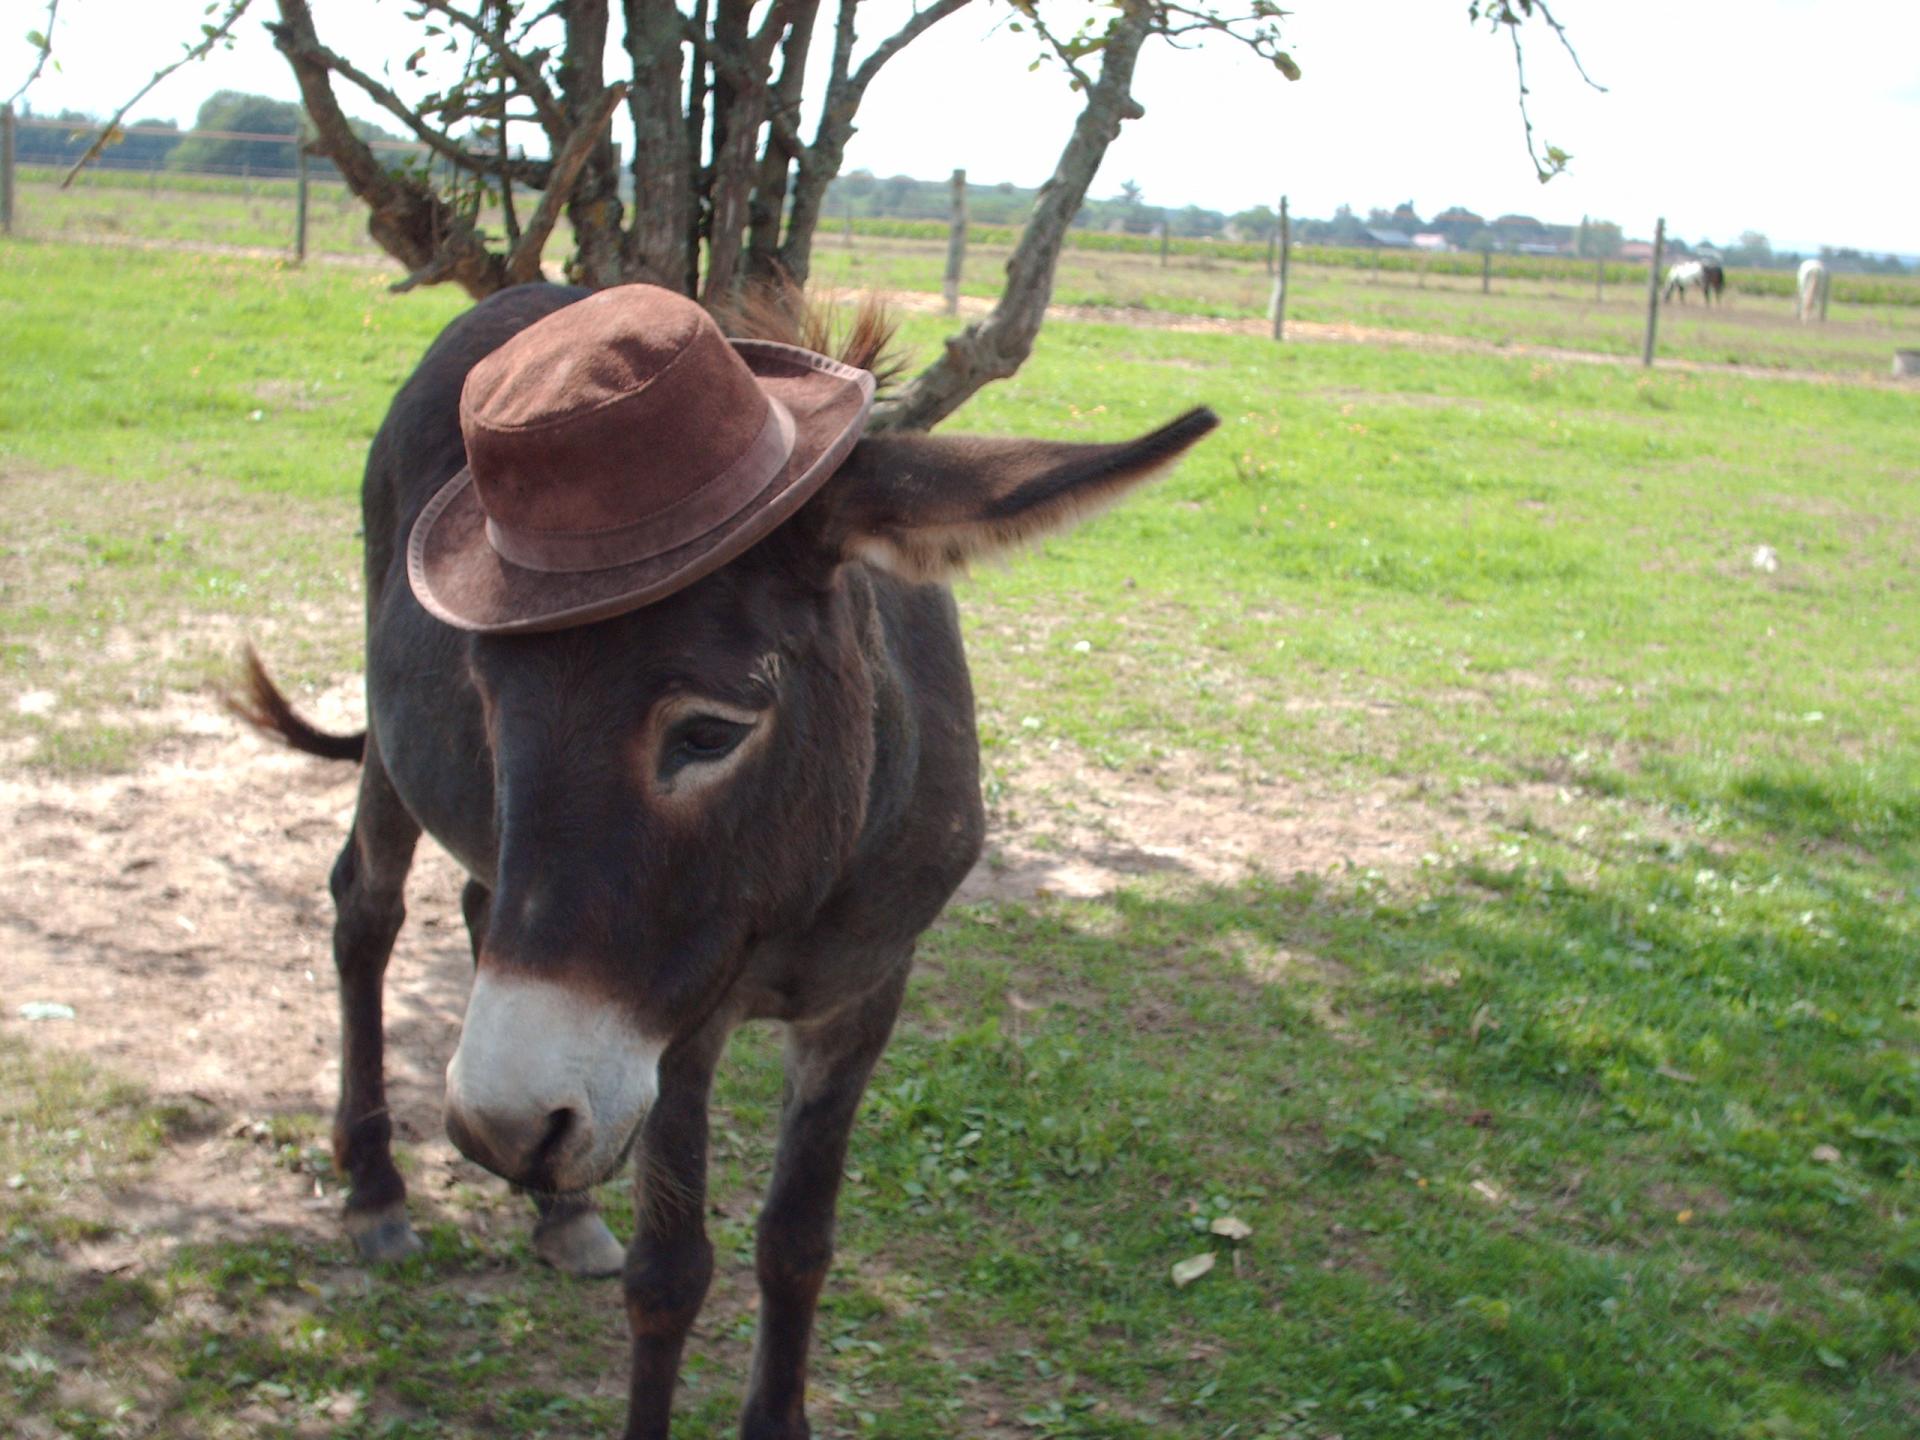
[1603,1121]
[1531,303]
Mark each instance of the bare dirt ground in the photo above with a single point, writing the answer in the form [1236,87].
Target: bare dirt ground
[181,911]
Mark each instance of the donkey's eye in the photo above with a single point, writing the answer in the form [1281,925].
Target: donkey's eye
[699,739]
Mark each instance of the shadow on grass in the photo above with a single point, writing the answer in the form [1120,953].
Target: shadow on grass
[1539,1149]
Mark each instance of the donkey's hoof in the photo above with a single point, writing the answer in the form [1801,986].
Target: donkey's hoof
[383,1236]
[579,1244]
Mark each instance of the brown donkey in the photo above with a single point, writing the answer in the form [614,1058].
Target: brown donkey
[743,800]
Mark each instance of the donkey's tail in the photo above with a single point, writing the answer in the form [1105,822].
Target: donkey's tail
[258,701]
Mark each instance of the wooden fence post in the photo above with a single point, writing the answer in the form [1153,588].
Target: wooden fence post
[6,169]
[1280,281]
[847,232]
[1599,278]
[1653,290]
[1486,272]
[300,193]
[956,241]
[1163,239]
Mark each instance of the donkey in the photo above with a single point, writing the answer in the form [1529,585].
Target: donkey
[744,800]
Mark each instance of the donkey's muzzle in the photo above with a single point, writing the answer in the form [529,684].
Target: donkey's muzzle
[547,1088]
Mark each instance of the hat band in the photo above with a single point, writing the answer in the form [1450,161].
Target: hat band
[567,552]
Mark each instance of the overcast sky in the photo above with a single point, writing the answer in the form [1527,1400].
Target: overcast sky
[1793,117]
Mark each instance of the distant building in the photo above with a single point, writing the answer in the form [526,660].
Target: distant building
[1431,240]
[1382,238]
[1636,250]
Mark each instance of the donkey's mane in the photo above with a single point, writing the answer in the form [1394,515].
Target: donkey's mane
[860,334]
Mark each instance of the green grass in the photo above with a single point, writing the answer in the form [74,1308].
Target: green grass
[1553,312]
[1535,301]
[1603,1122]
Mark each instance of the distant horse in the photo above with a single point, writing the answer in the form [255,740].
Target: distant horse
[1811,291]
[1706,276]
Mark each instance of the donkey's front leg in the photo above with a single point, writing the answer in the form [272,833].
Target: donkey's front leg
[368,882]
[671,1260]
[828,1063]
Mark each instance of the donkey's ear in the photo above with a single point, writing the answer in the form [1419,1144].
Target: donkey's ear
[922,506]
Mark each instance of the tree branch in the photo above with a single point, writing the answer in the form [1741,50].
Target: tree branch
[45,39]
[820,162]
[996,347]
[1512,14]
[523,261]
[1556,157]
[532,84]
[734,71]
[900,39]
[527,172]
[411,223]
[212,36]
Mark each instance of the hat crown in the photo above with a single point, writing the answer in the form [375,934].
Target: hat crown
[608,413]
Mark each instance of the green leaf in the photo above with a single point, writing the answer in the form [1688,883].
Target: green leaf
[1284,63]
[36,39]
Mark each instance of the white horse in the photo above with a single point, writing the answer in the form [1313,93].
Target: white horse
[1813,285]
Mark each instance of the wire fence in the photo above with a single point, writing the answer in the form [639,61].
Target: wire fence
[256,192]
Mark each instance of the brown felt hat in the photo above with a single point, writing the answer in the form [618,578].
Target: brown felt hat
[618,450]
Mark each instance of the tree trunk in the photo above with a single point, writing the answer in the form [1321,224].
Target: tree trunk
[846,88]
[739,105]
[593,204]
[996,347]
[768,206]
[659,246]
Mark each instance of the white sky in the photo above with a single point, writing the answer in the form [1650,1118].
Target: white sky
[1793,117]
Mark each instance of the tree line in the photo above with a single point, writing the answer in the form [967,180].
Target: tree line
[157,144]
[861,194]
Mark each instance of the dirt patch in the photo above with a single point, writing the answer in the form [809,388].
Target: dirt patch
[181,911]
[1076,828]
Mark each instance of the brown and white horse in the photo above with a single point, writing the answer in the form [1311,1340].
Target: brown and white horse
[1706,276]
[744,801]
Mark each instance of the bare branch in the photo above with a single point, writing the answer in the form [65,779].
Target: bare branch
[527,172]
[900,39]
[532,84]
[523,262]
[820,162]
[419,228]
[40,60]
[212,36]
[997,346]
[1566,43]
[1512,14]
[734,71]
[1556,160]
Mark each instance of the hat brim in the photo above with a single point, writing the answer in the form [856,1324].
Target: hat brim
[460,578]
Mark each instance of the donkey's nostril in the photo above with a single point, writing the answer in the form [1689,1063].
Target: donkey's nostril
[562,1125]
